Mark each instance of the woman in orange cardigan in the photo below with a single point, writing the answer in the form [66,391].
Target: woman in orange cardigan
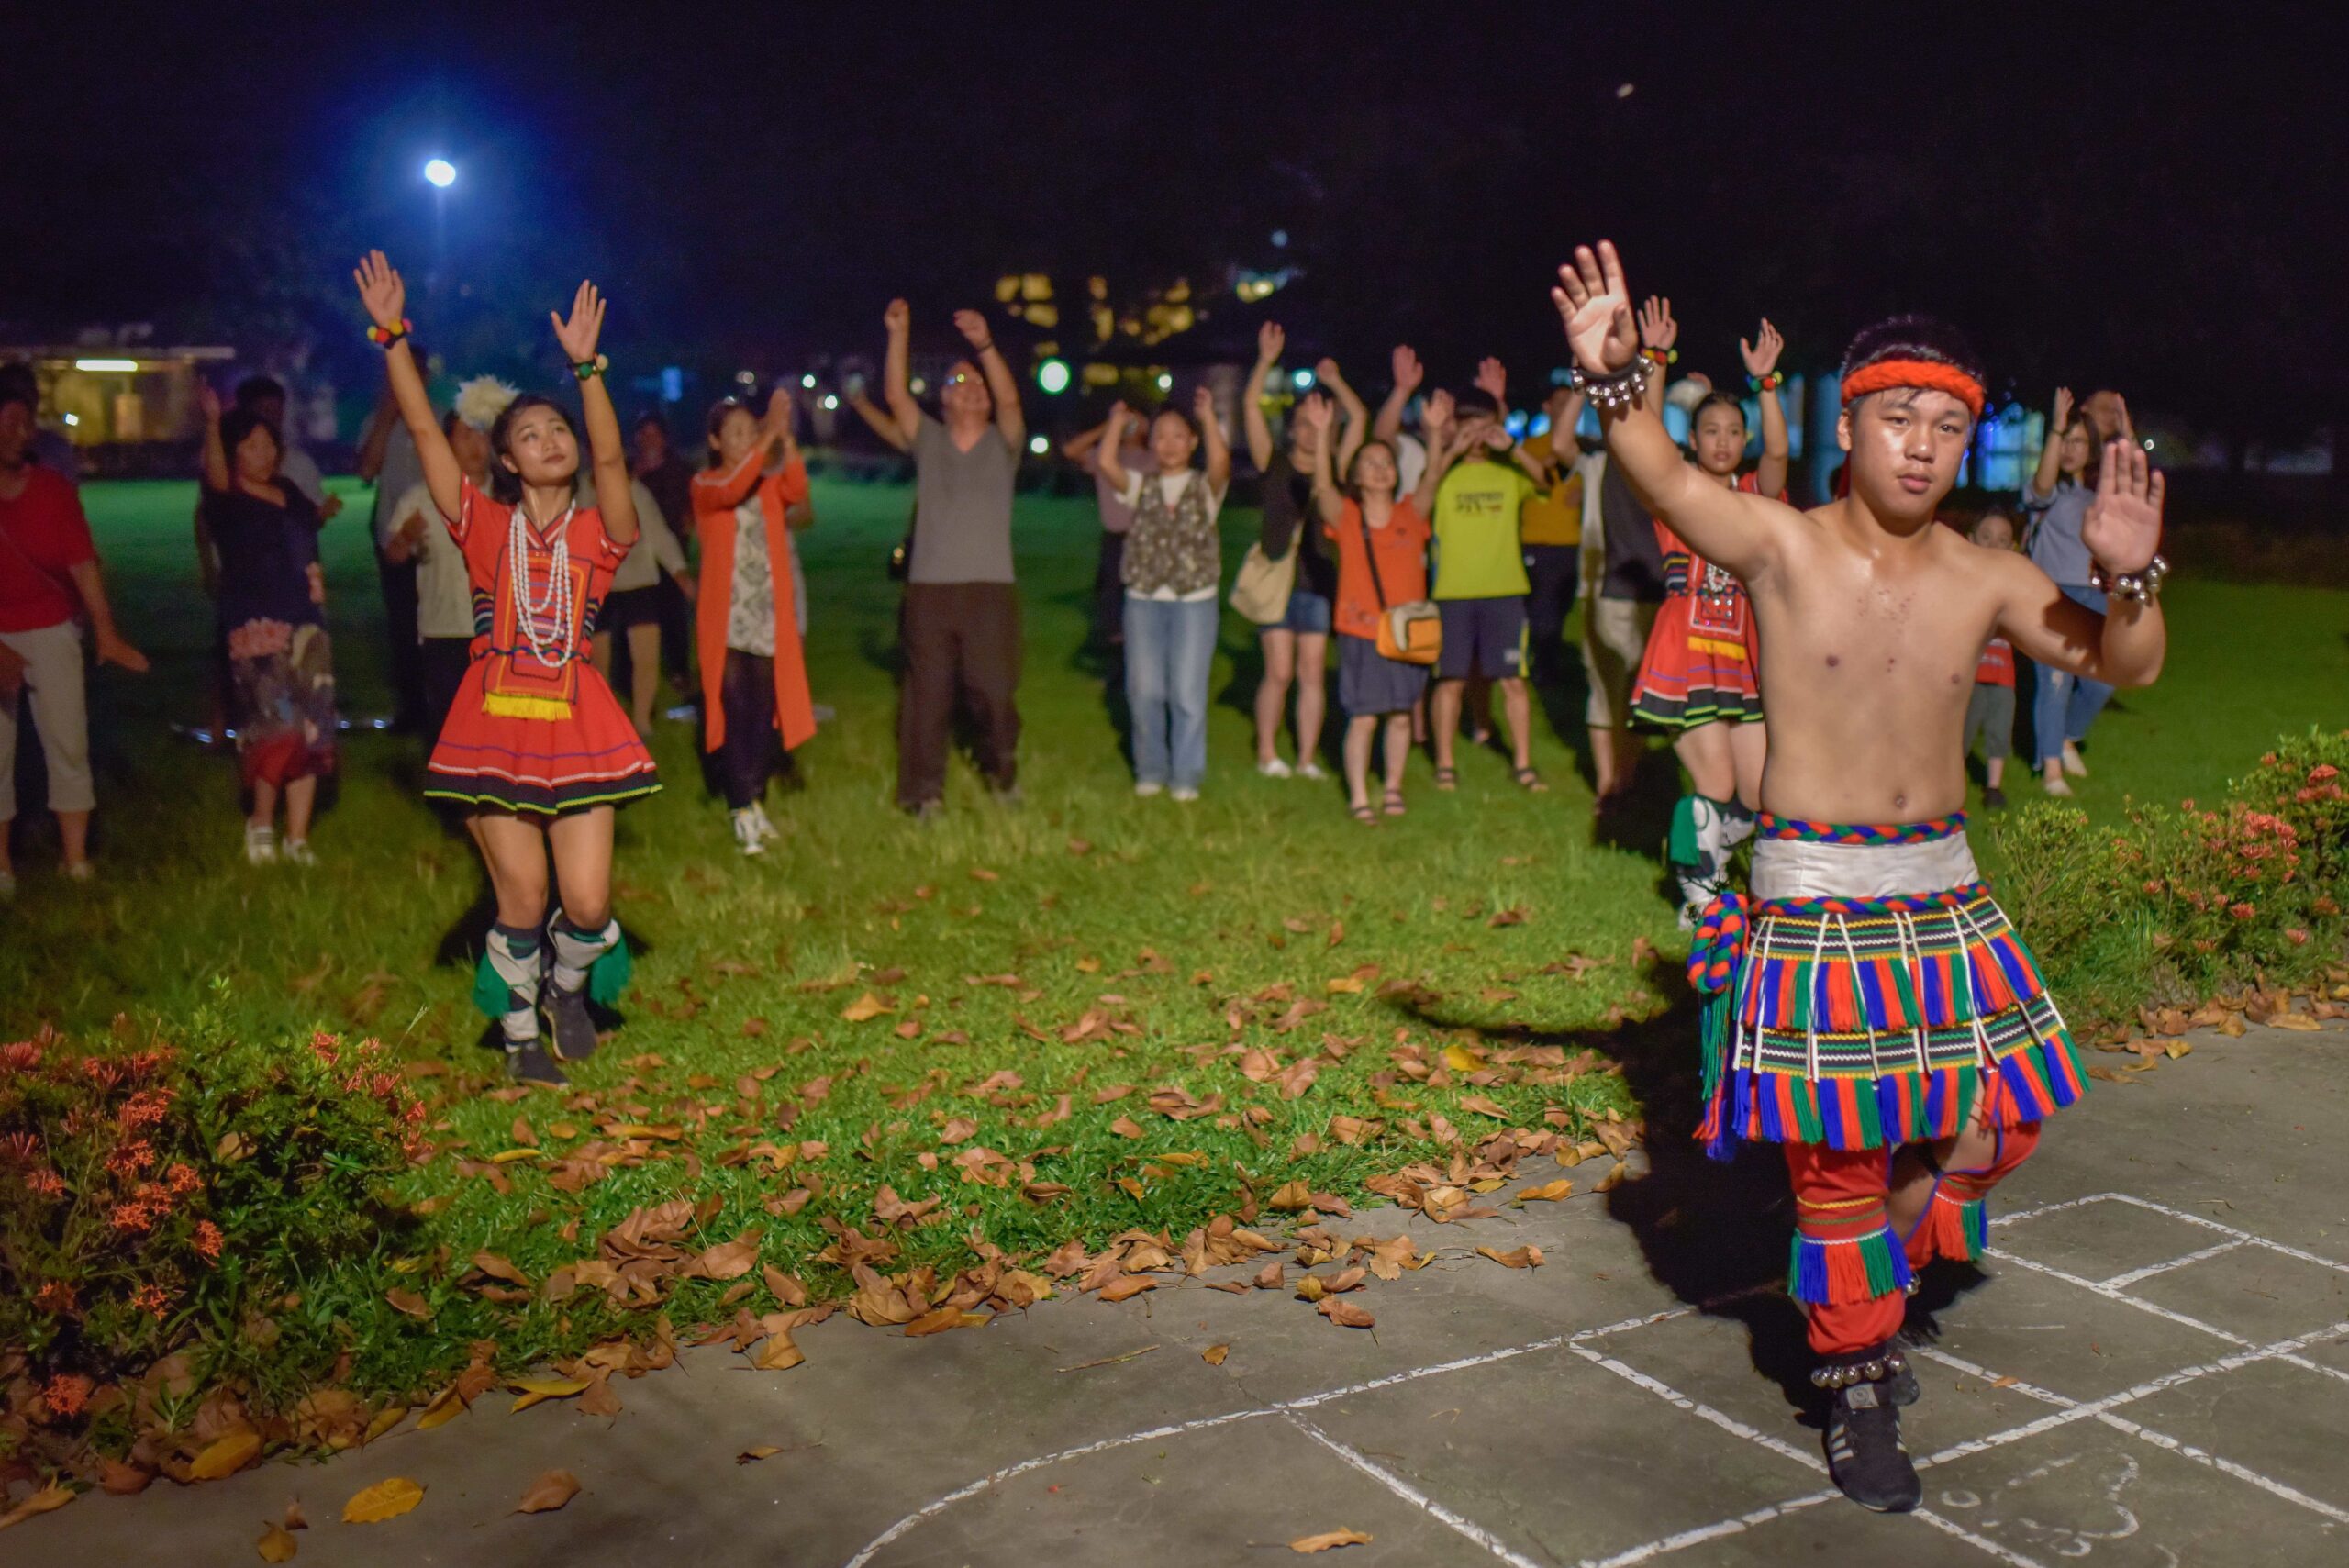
[753,673]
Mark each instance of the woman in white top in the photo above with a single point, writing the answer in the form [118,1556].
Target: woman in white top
[412,534]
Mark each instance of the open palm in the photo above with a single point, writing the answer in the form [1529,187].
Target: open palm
[578,335]
[380,290]
[1594,303]
[2124,527]
[1761,355]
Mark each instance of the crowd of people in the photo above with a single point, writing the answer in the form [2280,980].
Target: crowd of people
[1823,674]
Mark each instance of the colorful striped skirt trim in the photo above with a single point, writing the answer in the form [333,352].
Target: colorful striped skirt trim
[1861,1023]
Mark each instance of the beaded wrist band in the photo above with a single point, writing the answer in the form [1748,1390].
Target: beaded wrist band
[1770,383]
[1616,393]
[1661,356]
[585,369]
[2145,586]
[384,337]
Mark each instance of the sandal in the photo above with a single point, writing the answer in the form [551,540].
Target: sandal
[1531,782]
[1364,815]
[1395,807]
[1447,778]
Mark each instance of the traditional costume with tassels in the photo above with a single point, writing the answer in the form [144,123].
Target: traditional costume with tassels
[1872,993]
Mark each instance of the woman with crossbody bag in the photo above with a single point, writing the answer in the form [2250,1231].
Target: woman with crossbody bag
[1381,542]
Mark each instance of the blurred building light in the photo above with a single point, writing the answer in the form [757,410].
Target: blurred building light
[830,402]
[1625,91]
[1280,239]
[1166,382]
[1052,375]
[672,384]
[808,380]
[917,386]
[1517,423]
[73,420]
[104,366]
[1035,286]
[1097,375]
[1300,379]
[1039,445]
[746,378]
[1006,289]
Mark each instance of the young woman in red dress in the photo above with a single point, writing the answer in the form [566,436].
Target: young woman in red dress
[536,747]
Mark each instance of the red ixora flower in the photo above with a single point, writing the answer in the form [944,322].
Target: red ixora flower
[56,1296]
[45,1183]
[20,1056]
[144,1109]
[67,1394]
[182,1178]
[130,1156]
[325,1047]
[2323,771]
[132,1218]
[152,1300]
[99,1070]
[2296,936]
[209,1241]
[2242,911]
[20,1147]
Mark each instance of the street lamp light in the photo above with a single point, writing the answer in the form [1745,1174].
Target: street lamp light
[439,171]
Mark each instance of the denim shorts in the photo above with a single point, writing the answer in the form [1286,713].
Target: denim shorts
[1308,612]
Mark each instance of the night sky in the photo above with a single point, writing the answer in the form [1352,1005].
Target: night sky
[2144,196]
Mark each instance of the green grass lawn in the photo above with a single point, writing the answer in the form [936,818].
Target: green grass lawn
[1084,942]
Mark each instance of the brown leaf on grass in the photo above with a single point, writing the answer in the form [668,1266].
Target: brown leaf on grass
[1526,1257]
[277,1546]
[226,1454]
[865,1008]
[49,1499]
[1126,1286]
[727,1259]
[1213,1355]
[1258,1065]
[877,1303]
[1351,1129]
[942,1319]
[891,1209]
[1291,1197]
[958,1129]
[1507,917]
[1125,1126]
[496,1267]
[785,1288]
[1299,1011]
[1327,1540]
[1484,1106]
[547,1493]
[1298,1076]
[410,1302]
[1344,1313]
[1069,1258]
[384,1500]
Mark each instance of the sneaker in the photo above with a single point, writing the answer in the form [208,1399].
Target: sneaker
[531,1064]
[925,810]
[2070,758]
[1274,768]
[1994,799]
[1146,788]
[296,852]
[1311,771]
[746,833]
[1864,1454]
[2054,785]
[759,820]
[261,844]
[1183,793]
[567,1019]
[79,871]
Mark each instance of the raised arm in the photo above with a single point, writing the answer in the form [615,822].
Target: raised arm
[1762,371]
[1658,332]
[1211,436]
[1079,446]
[216,453]
[2050,452]
[723,489]
[1447,437]
[1565,445]
[369,462]
[879,420]
[1492,380]
[1111,458]
[386,296]
[2126,645]
[1409,374]
[1270,341]
[578,337]
[1011,420]
[1327,374]
[904,412]
[1320,415]
[1744,533]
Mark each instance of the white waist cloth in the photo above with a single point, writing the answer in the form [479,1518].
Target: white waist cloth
[1789,868]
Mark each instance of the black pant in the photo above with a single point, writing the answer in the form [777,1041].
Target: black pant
[677,631]
[1109,592]
[1554,570]
[441,665]
[961,641]
[410,713]
[748,756]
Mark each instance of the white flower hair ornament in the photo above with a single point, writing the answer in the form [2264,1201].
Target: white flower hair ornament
[481,400]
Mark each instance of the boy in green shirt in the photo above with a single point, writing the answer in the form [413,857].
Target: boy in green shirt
[1480,585]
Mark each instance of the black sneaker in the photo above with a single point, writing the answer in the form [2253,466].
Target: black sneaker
[531,1064]
[1995,798]
[1865,1455]
[574,1031]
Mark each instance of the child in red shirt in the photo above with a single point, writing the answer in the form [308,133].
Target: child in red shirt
[1991,712]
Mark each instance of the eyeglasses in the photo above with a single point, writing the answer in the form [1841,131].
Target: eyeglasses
[961,378]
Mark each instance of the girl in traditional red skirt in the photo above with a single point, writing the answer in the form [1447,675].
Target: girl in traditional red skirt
[535,746]
[1699,677]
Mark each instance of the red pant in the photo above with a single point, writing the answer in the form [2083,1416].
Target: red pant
[1839,1215]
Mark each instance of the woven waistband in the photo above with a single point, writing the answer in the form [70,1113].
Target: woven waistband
[1798,831]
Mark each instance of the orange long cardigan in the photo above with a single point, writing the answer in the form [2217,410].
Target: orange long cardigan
[716,494]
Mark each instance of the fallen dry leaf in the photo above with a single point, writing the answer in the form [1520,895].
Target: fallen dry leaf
[864,1008]
[1613,1179]
[2293,1021]
[225,1456]
[1548,1192]
[1327,1540]
[277,1546]
[49,1499]
[1526,1257]
[1213,1355]
[752,1455]
[384,1500]
[1126,1286]
[547,1493]
[537,1390]
[778,1353]
[408,1303]
[1343,1313]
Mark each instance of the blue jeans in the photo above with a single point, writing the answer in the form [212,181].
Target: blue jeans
[2065,703]
[1170,647]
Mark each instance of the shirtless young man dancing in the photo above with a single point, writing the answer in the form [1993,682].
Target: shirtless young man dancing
[1870,1008]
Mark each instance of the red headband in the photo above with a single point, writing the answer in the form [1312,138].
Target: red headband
[1934,375]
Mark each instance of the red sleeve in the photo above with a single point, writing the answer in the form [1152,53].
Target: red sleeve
[717,491]
[479,528]
[69,544]
[793,478]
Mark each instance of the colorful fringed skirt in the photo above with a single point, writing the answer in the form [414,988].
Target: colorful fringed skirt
[1868,992]
[1703,660]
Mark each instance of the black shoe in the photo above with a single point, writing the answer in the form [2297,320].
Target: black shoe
[574,1031]
[531,1064]
[1865,1455]
[1995,798]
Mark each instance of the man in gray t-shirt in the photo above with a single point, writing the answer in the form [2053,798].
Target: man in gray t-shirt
[960,631]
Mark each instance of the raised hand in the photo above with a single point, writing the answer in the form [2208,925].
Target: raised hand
[380,290]
[898,317]
[776,424]
[1203,407]
[973,327]
[1762,354]
[1408,371]
[1326,372]
[2124,527]
[2060,418]
[1271,342]
[1658,328]
[1492,380]
[1437,416]
[208,402]
[1316,410]
[578,334]
[1595,306]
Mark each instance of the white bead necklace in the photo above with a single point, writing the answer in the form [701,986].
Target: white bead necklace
[556,605]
